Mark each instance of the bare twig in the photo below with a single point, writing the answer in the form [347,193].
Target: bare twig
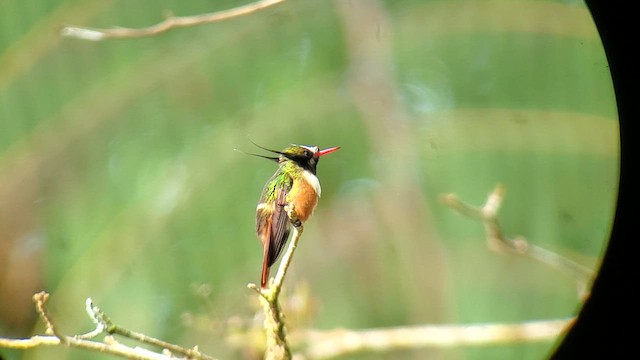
[109,346]
[277,345]
[327,344]
[496,240]
[171,22]
[95,317]
[112,349]
[278,281]
[104,322]
[40,300]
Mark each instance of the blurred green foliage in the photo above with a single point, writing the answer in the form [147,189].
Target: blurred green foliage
[118,179]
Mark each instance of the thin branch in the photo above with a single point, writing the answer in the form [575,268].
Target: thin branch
[277,345]
[109,346]
[100,325]
[40,300]
[112,349]
[171,22]
[496,240]
[105,323]
[328,344]
[286,261]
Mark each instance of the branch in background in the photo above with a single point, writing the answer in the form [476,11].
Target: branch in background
[102,321]
[109,344]
[169,23]
[496,240]
[327,344]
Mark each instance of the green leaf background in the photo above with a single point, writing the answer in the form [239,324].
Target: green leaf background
[118,179]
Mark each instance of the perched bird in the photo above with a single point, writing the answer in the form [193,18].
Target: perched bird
[294,189]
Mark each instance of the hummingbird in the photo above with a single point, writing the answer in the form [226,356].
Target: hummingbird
[294,186]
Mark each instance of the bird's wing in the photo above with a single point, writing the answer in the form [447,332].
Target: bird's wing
[280,225]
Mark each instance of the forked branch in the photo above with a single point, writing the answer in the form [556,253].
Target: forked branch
[497,241]
[109,345]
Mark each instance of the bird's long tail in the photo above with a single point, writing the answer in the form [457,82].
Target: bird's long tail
[265,266]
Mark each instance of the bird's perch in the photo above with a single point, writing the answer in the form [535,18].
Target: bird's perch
[277,345]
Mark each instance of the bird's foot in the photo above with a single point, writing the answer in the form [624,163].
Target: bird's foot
[293,216]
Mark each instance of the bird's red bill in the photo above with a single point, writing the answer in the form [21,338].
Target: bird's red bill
[327,151]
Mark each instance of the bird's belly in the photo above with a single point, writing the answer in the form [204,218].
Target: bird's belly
[304,199]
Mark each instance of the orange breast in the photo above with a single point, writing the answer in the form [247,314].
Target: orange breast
[304,199]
